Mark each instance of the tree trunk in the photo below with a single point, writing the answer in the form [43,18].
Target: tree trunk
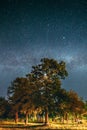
[26,121]
[16,117]
[35,117]
[66,117]
[46,116]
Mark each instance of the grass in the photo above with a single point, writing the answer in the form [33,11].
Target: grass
[4,125]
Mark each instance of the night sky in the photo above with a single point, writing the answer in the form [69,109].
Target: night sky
[34,29]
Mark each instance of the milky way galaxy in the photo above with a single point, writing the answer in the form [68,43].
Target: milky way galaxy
[33,29]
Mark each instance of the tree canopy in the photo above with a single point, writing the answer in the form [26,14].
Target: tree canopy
[41,89]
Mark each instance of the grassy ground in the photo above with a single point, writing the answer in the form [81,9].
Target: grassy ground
[40,126]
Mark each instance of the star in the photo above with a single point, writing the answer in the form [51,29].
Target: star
[63,37]
[31,30]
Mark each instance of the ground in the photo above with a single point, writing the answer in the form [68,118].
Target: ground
[40,126]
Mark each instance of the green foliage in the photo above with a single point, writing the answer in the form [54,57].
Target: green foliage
[76,105]
[41,89]
[19,94]
[49,74]
[4,107]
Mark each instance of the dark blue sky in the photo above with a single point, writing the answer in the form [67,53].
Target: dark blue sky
[33,29]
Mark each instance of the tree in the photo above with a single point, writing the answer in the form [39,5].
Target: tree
[62,103]
[19,96]
[75,104]
[47,78]
[4,107]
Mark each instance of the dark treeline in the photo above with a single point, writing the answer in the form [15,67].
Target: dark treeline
[39,94]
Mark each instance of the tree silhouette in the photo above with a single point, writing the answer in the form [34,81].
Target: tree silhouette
[4,107]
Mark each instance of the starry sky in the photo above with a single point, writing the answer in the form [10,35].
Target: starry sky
[34,29]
